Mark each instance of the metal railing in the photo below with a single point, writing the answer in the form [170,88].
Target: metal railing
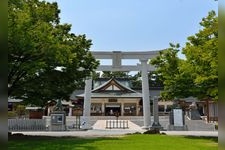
[26,125]
[74,124]
[117,124]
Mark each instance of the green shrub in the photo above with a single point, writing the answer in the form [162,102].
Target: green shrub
[216,126]
[12,114]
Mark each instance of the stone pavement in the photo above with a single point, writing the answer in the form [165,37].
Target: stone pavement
[114,133]
[192,133]
[193,125]
[100,131]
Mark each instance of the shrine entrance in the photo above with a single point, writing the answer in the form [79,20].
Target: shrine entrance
[111,109]
[117,57]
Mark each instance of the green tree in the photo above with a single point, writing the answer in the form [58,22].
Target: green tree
[116,74]
[136,80]
[20,110]
[43,56]
[197,75]
[154,80]
[201,52]
[169,72]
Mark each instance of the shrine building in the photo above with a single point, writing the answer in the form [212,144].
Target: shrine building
[114,96]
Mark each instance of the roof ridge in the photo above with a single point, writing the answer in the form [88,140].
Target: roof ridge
[118,82]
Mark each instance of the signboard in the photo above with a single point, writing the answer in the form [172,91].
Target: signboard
[112,100]
[178,117]
[112,105]
[57,118]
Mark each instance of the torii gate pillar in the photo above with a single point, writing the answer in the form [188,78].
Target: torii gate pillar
[145,94]
[87,105]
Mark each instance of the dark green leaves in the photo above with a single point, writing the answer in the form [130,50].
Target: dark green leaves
[37,45]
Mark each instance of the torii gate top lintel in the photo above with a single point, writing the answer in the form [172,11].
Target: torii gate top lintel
[124,54]
[117,56]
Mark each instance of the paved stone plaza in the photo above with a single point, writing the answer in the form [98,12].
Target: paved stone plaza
[196,128]
[115,133]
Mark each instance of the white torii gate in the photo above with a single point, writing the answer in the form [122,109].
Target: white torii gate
[116,57]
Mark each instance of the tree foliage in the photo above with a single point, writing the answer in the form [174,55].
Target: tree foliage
[197,75]
[116,74]
[169,72]
[201,52]
[154,80]
[135,79]
[43,56]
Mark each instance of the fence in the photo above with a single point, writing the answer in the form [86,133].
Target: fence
[26,125]
[116,124]
[74,123]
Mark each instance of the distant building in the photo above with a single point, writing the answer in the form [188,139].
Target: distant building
[110,96]
[12,103]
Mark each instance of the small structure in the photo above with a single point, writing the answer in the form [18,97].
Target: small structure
[193,112]
[15,108]
[177,120]
[164,107]
[58,118]
[207,109]
[12,102]
[35,112]
[66,106]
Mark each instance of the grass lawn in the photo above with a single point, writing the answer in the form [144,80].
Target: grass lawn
[128,142]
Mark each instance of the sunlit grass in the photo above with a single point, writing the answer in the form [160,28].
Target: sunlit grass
[128,142]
